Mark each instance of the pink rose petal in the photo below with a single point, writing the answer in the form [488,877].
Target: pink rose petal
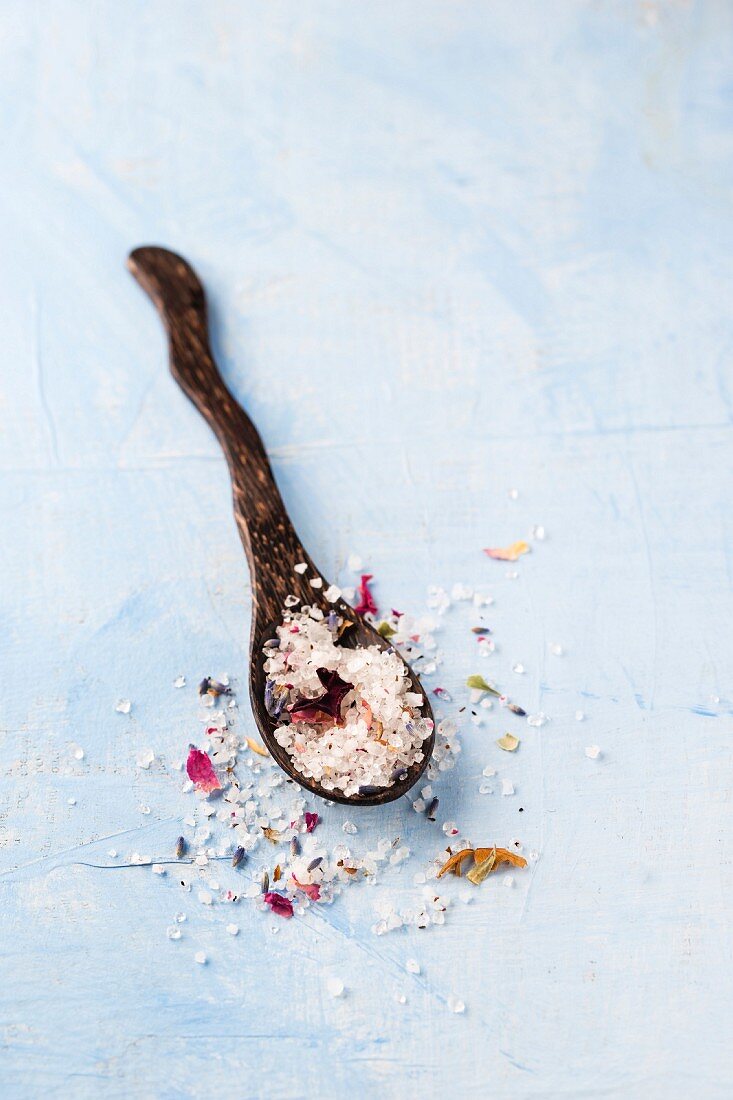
[201,772]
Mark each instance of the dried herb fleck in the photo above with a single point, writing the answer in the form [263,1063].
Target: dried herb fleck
[477,683]
[257,747]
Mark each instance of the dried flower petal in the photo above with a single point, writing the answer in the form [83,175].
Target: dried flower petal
[386,630]
[516,710]
[503,855]
[366,600]
[508,553]
[238,857]
[181,847]
[509,743]
[271,834]
[257,747]
[481,869]
[477,683]
[312,889]
[454,863]
[277,874]
[201,772]
[327,705]
[311,820]
[279,904]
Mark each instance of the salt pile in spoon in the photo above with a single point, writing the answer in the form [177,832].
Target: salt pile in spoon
[348,717]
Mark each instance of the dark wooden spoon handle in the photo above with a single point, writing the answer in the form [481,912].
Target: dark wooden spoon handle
[270,542]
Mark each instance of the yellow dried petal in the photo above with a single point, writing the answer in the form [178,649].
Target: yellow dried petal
[480,870]
[257,747]
[509,743]
[508,553]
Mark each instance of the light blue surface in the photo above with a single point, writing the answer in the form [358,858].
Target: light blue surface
[451,249]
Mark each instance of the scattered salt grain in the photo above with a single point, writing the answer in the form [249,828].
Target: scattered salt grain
[158,869]
[179,682]
[519,669]
[537,719]
[556,649]
[71,801]
[456,1005]
[78,753]
[145,759]
[173,933]
[335,987]
[508,881]
[513,494]
[401,999]
[485,788]
[123,707]
[507,787]
[112,853]
[450,828]
[300,567]
[332,593]
[412,966]
[349,827]
[143,808]
[355,563]
[534,855]
[593,752]
[200,958]
[233,929]
[579,716]
[205,897]
[538,532]
[316,582]
[488,771]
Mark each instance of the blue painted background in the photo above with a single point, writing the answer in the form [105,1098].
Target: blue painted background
[451,249]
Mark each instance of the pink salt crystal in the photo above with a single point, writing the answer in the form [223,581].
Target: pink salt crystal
[279,904]
[201,772]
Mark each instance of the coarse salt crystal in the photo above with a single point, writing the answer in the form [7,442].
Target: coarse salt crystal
[593,752]
[579,716]
[158,869]
[556,649]
[519,669]
[508,881]
[79,753]
[332,593]
[412,966]
[456,1005]
[538,532]
[205,897]
[71,801]
[354,563]
[200,958]
[123,707]
[179,682]
[173,933]
[316,582]
[233,929]
[349,827]
[335,986]
[300,567]
[488,771]
[507,787]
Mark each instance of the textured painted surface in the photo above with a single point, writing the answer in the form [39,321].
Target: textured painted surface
[500,236]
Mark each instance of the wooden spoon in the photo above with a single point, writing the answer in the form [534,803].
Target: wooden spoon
[270,542]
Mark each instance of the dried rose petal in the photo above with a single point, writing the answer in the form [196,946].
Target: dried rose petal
[201,772]
[279,904]
[312,889]
[366,600]
[311,820]
[508,553]
[325,706]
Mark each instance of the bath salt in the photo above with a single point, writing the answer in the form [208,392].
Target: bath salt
[348,717]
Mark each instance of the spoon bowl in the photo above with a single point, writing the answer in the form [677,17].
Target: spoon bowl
[271,544]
